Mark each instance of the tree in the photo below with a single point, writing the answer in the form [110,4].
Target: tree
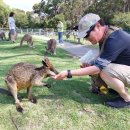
[106,8]
[4,11]
[126,6]
[21,18]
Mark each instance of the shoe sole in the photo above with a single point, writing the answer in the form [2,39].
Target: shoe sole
[105,103]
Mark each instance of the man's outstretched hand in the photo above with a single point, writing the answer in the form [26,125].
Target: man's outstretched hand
[60,76]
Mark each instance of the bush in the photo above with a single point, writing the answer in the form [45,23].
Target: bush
[122,20]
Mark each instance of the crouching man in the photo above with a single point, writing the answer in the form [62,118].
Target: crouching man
[113,63]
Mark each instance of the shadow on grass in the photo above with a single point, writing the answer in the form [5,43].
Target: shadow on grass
[77,90]
[25,50]
[8,57]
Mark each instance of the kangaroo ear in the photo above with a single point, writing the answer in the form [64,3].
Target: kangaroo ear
[44,63]
[47,62]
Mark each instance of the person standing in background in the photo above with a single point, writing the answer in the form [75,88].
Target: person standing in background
[12,27]
[60,27]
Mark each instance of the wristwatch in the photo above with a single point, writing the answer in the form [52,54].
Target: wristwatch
[69,74]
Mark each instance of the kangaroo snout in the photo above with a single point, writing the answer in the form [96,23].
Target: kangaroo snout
[51,73]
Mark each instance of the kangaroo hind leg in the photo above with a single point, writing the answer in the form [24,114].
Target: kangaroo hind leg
[30,96]
[12,87]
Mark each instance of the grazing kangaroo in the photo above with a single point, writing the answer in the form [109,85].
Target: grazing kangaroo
[2,36]
[27,38]
[24,76]
[68,35]
[51,46]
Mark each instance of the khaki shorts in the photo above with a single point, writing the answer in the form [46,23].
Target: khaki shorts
[121,72]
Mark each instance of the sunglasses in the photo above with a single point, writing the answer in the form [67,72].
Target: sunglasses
[89,31]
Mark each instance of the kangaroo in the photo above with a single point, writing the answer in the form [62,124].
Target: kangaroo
[24,76]
[27,38]
[51,46]
[2,36]
[68,35]
[97,83]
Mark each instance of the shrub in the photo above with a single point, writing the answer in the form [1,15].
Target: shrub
[122,20]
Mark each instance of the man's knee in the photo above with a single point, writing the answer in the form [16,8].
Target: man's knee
[121,72]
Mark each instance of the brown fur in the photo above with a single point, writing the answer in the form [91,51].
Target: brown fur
[27,38]
[2,36]
[24,76]
[96,83]
[51,46]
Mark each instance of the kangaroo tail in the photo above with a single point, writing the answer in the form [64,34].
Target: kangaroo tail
[4,91]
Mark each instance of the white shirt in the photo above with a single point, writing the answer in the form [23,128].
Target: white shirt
[11,23]
[60,27]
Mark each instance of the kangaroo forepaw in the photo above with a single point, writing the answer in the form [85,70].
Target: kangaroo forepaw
[19,109]
[48,85]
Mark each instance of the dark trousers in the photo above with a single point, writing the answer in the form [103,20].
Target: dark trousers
[60,35]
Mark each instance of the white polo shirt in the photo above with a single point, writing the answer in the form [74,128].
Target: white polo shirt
[11,23]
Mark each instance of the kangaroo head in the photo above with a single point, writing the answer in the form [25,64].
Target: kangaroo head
[46,62]
[47,68]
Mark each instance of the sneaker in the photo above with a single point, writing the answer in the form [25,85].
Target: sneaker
[118,103]
[62,44]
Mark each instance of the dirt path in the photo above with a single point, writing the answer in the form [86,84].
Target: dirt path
[77,50]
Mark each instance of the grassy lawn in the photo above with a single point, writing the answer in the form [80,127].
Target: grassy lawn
[68,105]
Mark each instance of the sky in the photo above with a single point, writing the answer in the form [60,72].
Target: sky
[25,5]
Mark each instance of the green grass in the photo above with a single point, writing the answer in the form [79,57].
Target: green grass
[68,105]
